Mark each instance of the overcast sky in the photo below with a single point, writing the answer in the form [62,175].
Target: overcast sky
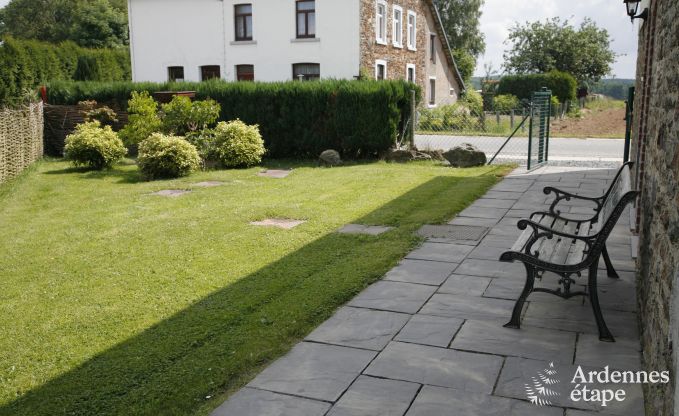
[500,15]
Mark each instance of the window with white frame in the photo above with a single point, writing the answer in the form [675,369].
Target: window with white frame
[412,30]
[381,22]
[380,69]
[410,73]
[397,28]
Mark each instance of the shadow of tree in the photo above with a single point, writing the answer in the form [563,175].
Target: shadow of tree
[216,345]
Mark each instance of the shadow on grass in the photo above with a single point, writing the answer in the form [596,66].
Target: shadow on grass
[125,176]
[219,343]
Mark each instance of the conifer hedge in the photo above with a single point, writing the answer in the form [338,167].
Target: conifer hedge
[297,119]
[562,85]
[27,64]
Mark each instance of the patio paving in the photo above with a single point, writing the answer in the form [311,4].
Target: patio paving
[428,340]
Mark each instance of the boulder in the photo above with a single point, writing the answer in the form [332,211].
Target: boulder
[330,158]
[465,156]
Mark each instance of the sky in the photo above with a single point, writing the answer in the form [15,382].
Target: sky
[500,15]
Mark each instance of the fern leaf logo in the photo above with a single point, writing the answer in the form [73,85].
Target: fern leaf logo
[538,391]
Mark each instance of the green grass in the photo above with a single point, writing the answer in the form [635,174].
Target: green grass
[113,301]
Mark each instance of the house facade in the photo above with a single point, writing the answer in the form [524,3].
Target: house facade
[281,40]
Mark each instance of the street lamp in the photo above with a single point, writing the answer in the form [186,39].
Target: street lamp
[633,8]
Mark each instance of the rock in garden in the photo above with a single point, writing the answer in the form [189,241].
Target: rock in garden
[465,156]
[330,158]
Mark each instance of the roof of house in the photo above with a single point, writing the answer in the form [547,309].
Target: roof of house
[444,39]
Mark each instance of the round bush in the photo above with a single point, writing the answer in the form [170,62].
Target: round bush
[163,156]
[506,102]
[93,146]
[237,145]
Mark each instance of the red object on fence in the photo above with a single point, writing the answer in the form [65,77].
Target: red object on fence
[43,94]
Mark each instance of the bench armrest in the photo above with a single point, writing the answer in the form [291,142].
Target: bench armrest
[557,215]
[564,195]
[537,228]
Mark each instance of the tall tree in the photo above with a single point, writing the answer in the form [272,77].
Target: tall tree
[584,51]
[461,22]
[97,24]
[60,20]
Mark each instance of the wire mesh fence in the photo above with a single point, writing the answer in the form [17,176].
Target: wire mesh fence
[449,126]
[21,141]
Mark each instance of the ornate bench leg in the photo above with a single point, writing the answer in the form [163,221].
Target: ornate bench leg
[515,322]
[609,266]
[604,333]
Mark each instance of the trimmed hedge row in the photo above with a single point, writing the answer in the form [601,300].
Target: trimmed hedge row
[562,85]
[297,119]
[27,64]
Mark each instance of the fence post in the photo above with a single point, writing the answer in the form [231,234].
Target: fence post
[523,115]
[413,118]
[497,118]
[511,118]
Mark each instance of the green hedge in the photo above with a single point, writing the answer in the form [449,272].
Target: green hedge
[297,119]
[26,64]
[562,85]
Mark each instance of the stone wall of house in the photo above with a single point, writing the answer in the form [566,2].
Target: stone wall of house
[657,150]
[398,58]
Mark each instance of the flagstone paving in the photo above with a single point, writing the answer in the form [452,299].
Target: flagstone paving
[428,340]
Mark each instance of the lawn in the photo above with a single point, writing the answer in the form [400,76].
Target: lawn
[114,301]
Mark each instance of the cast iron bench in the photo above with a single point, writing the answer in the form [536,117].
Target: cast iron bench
[565,246]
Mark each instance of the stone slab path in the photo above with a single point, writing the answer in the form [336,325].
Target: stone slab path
[427,340]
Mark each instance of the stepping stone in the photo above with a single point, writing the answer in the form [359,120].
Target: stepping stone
[370,396]
[249,401]
[364,229]
[285,224]
[208,184]
[275,173]
[171,193]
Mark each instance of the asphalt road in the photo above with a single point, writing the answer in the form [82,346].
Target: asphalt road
[561,150]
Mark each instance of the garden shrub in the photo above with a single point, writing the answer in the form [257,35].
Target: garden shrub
[237,145]
[94,146]
[562,85]
[143,118]
[91,112]
[182,116]
[27,64]
[162,156]
[505,102]
[473,100]
[449,117]
[296,119]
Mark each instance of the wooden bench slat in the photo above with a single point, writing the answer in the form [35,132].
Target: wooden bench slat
[563,246]
[547,247]
[576,253]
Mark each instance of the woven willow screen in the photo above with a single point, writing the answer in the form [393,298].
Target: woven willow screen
[21,140]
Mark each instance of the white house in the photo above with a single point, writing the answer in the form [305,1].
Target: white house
[278,40]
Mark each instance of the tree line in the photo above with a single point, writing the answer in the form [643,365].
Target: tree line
[88,23]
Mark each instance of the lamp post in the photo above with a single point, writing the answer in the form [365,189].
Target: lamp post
[633,8]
